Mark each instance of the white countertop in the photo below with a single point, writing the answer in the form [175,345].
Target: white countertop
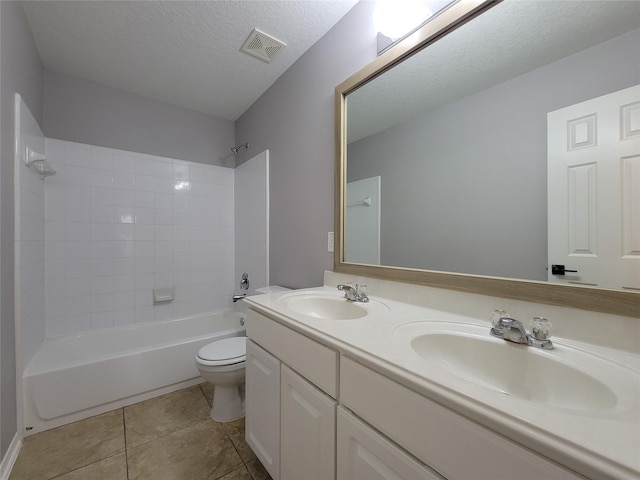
[596,444]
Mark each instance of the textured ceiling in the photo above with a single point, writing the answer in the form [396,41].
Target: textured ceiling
[512,38]
[185,53]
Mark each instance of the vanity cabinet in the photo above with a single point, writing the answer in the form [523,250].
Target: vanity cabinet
[298,440]
[364,454]
[302,426]
[262,407]
[453,445]
[307,429]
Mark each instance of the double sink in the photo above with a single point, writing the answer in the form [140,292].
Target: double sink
[567,377]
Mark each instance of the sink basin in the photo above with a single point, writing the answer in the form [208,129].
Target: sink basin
[328,306]
[563,378]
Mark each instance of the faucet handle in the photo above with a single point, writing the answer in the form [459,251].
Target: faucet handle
[540,328]
[496,315]
[347,289]
[362,289]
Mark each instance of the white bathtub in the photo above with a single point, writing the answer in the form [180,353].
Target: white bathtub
[77,376]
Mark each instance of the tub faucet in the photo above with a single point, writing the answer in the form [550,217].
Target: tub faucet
[512,330]
[237,298]
[354,292]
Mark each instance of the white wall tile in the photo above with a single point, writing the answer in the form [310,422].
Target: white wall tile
[163,169]
[163,201]
[78,231]
[101,266]
[117,226]
[123,249]
[102,196]
[124,231]
[101,178]
[180,170]
[144,183]
[102,320]
[102,232]
[124,214]
[102,249]
[101,159]
[144,166]
[144,198]
[126,316]
[78,194]
[163,185]
[145,314]
[78,212]
[163,217]
[123,162]
[124,283]
[78,287]
[78,268]
[123,180]
[123,266]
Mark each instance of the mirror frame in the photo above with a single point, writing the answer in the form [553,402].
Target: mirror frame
[582,297]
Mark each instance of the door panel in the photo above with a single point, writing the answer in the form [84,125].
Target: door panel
[594,191]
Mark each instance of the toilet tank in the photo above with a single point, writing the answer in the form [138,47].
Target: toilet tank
[271,289]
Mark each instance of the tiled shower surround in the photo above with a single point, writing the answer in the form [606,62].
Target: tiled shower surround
[119,224]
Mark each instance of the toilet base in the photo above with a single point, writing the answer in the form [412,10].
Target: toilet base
[228,403]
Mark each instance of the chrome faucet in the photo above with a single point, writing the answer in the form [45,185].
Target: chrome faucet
[512,330]
[236,298]
[354,292]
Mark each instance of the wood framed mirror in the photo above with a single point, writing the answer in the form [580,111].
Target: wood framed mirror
[472,48]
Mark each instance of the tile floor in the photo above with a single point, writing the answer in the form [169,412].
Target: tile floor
[170,437]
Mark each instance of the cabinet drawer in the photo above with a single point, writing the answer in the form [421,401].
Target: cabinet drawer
[364,454]
[455,446]
[315,362]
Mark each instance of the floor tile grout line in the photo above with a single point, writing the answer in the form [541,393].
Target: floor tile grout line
[83,466]
[233,444]
[232,433]
[126,449]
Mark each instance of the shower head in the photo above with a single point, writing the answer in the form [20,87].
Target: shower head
[236,149]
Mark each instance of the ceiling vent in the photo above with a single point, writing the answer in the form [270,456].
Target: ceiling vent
[262,46]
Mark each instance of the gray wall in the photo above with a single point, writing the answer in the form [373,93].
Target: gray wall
[464,187]
[87,112]
[22,72]
[294,120]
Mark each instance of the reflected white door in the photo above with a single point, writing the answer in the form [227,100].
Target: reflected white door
[362,221]
[593,172]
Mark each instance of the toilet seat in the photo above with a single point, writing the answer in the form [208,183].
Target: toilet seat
[228,351]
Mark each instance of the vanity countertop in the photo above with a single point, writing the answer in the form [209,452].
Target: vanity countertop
[598,443]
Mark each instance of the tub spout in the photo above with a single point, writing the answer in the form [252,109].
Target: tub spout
[236,298]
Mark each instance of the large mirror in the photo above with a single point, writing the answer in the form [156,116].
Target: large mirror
[468,155]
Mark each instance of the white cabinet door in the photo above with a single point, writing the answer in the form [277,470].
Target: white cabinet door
[364,454]
[262,418]
[307,429]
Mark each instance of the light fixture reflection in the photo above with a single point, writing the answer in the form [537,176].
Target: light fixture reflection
[182,186]
[396,18]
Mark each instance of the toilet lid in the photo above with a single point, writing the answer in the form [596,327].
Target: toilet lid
[226,351]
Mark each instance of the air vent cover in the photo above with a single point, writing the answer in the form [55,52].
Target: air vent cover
[262,46]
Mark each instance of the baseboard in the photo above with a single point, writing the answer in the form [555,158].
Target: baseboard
[10,457]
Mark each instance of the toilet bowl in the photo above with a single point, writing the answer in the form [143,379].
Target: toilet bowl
[222,364]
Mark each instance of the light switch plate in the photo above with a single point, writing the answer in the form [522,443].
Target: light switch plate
[330,244]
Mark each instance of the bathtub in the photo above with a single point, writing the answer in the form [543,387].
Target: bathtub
[78,376]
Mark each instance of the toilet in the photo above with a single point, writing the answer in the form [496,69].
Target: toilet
[222,364]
